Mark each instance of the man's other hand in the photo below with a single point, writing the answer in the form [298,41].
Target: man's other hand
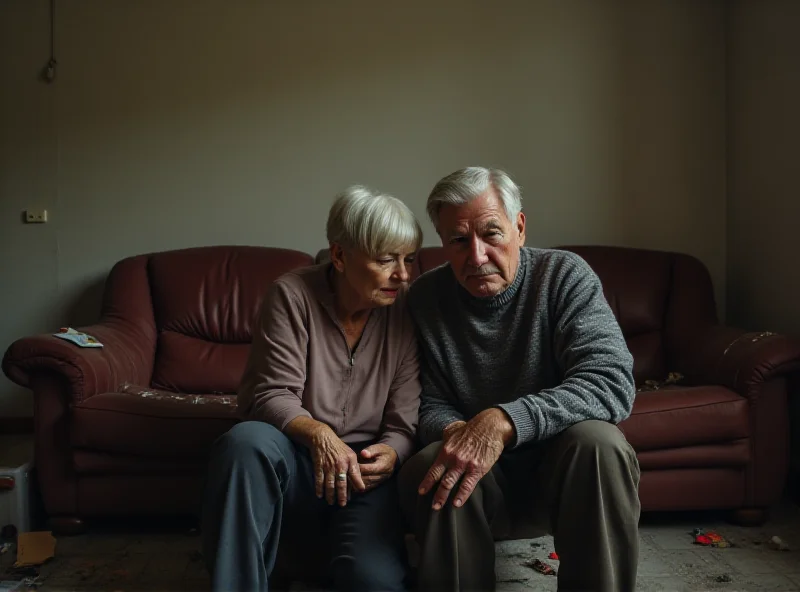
[468,452]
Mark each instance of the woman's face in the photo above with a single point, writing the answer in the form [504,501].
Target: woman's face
[373,281]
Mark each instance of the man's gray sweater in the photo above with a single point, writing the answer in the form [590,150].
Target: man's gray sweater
[547,350]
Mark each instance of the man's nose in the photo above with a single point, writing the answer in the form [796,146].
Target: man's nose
[477,253]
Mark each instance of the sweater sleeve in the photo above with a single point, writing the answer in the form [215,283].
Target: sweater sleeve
[272,386]
[592,356]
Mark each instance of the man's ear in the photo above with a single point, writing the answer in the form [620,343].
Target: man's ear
[337,256]
[521,228]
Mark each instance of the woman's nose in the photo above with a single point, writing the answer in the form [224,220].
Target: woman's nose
[403,272]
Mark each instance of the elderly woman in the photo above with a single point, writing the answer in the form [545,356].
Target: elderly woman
[332,392]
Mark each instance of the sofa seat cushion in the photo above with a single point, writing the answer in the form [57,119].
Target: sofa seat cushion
[690,416]
[93,462]
[158,426]
[728,454]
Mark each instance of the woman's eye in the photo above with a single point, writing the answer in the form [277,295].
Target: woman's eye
[384,261]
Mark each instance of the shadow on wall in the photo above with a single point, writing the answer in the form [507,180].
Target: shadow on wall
[84,306]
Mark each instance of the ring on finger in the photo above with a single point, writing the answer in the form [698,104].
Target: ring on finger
[341,477]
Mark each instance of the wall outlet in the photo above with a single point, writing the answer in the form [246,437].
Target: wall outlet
[35,216]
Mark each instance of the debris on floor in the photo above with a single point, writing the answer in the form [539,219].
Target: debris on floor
[85,570]
[4,548]
[541,567]
[23,572]
[31,583]
[709,538]
[35,548]
[724,578]
[777,543]
[553,556]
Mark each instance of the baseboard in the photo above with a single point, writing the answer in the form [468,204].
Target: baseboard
[16,425]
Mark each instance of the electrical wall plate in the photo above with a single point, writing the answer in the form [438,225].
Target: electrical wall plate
[35,216]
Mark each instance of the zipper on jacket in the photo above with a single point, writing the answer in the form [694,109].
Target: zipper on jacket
[351,360]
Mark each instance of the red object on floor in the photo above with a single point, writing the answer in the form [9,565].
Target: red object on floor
[710,539]
[553,555]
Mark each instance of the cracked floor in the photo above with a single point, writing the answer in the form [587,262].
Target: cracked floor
[167,558]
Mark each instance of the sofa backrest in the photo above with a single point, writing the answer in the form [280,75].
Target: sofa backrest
[658,298]
[205,304]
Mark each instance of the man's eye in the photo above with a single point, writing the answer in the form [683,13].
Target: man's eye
[457,239]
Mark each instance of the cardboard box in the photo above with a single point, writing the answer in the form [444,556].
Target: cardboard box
[16,487]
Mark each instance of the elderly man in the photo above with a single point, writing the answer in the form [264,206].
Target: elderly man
[525,373]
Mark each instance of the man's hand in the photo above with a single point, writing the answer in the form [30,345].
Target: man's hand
[453,428]
[377,464]
[469,452]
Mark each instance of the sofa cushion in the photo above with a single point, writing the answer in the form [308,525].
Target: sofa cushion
[93,462]
[205,299]
[675,417]
[724,454]
[159,426]
[429,258]
[192,365]
[214,293]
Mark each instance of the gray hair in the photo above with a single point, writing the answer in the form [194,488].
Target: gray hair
[374,223]
[466,184]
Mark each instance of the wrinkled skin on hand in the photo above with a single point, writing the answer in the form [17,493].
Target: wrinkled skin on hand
[469,451]
[331,457]
[377,464]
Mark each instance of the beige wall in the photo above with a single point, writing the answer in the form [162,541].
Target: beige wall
[184,123]
[763,165]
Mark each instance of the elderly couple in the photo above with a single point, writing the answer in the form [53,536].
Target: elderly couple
[507,358]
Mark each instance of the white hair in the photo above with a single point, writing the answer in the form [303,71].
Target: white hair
[466,184]
[374,223]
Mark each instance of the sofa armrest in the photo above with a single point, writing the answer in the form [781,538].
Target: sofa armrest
[126,356]
[739,360]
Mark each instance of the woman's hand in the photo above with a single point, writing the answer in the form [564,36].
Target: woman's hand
[377,464]
[335,465]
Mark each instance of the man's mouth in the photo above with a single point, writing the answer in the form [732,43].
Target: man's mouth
[483,272]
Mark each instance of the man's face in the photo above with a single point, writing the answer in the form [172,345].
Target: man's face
[482,244]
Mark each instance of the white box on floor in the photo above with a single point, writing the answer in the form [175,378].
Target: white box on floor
[16,490]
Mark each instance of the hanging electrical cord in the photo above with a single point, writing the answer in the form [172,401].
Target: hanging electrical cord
[49,71]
